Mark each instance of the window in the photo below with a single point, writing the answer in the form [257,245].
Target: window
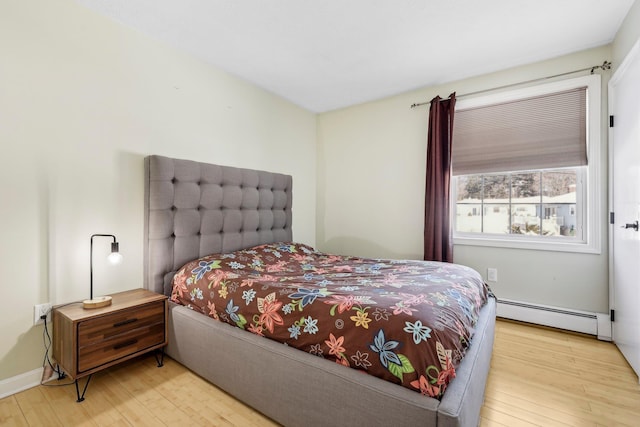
[526,167]
[533,203]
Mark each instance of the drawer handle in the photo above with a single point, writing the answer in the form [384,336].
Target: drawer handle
[125,322]
[124,344]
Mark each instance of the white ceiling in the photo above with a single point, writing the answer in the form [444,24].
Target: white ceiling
[328,54]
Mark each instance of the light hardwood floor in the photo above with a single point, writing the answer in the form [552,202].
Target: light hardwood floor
[539,377]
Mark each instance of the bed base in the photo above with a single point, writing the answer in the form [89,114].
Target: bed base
[298,389]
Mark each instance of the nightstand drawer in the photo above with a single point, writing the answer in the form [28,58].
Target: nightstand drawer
[121,345]
[103,328]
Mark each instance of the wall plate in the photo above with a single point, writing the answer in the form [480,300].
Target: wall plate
[41,310]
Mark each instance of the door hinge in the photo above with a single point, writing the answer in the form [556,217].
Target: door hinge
[612,315]
[610,121]
[612,218]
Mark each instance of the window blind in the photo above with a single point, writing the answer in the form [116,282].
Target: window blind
[541,132]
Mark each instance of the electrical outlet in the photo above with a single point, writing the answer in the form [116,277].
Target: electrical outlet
[492,274]
[40,310]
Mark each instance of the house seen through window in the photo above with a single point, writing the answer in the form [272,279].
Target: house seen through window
[533,203]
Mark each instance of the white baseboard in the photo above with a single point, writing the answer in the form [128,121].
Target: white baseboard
[20,382]
[598,324]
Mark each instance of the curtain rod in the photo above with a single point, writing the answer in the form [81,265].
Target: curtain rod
[606,65]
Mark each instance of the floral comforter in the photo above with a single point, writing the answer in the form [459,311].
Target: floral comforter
[408,322]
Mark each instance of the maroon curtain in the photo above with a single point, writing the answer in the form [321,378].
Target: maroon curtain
[438,245]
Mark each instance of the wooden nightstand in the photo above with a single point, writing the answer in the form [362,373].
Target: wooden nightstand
[86,341]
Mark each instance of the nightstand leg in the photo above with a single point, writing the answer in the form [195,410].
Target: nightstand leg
[84,390]
[160,358]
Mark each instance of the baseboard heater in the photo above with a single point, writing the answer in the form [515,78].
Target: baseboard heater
[598,324]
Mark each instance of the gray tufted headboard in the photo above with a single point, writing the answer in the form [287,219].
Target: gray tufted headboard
[195,209]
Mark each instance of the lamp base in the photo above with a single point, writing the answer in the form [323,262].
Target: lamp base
[97,302]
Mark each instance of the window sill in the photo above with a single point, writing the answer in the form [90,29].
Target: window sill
[536,245]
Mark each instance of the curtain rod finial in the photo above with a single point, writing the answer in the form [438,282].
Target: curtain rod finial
[606,65]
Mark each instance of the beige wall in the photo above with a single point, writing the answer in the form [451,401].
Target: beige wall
[627,36]
[82,101]
[371,169]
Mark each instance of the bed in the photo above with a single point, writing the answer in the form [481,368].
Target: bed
[195,209]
